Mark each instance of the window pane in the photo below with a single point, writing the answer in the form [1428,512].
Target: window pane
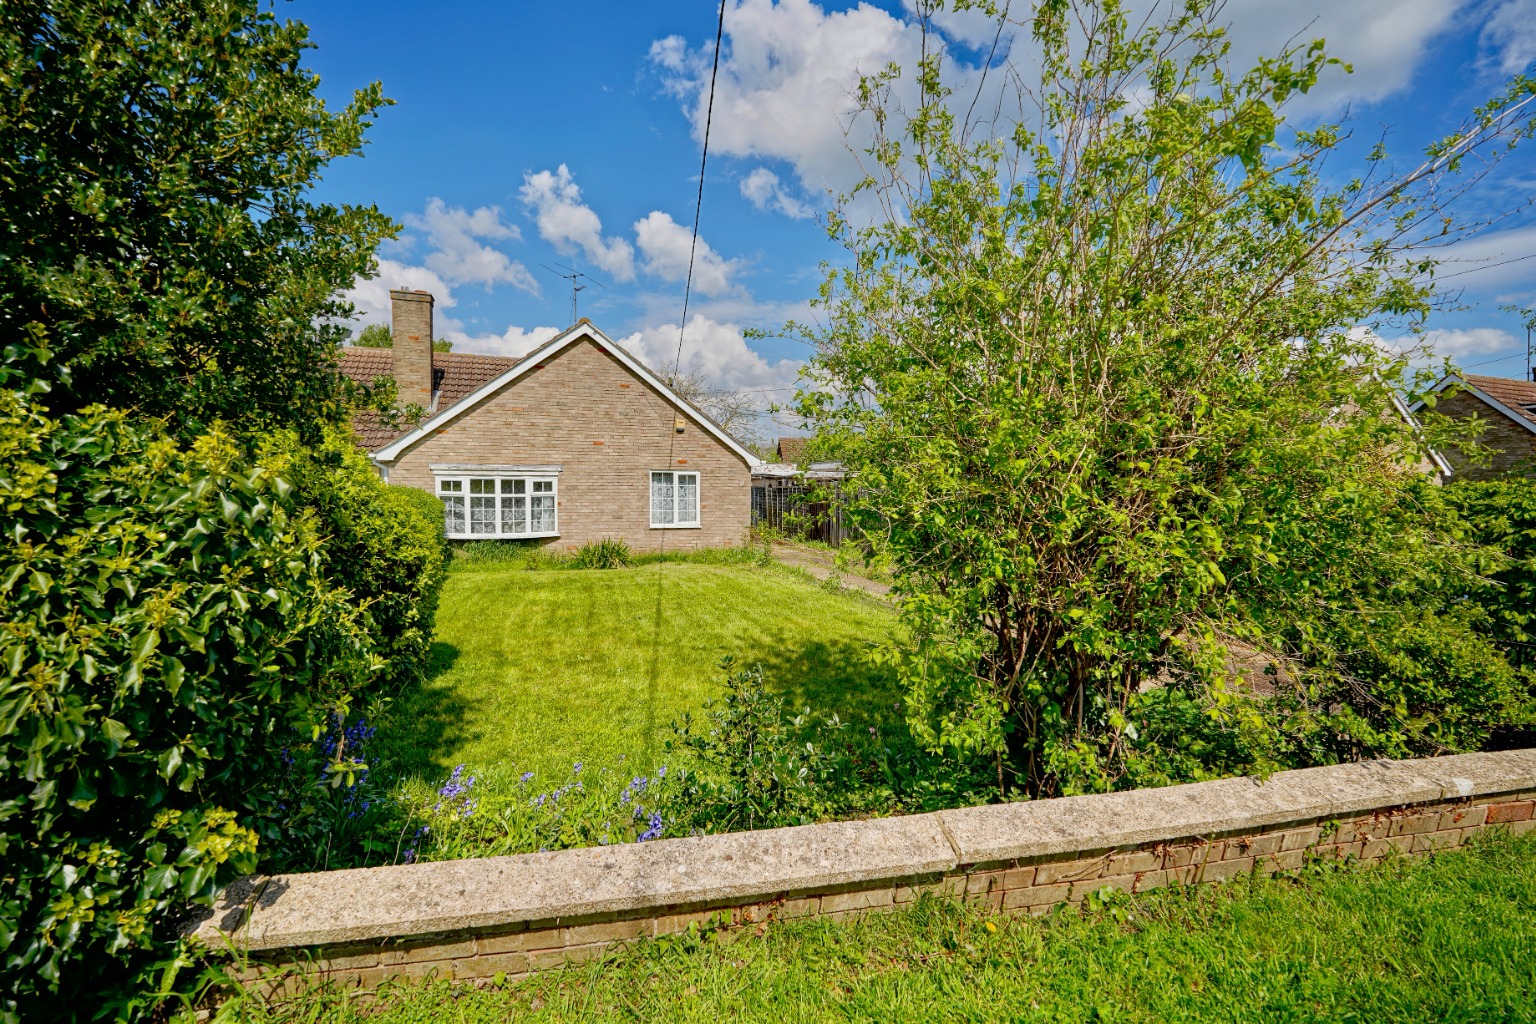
[661,499]
[543,487]
[453,515]
[514,515]
[482,515]
[451,486]
[687,497]
[512,487]
[482,487]
[543,513]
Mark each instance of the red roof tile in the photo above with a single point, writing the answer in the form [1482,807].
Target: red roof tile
[1519,395]
[455,376]
[792,449]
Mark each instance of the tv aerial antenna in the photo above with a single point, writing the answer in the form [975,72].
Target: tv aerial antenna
[576,278]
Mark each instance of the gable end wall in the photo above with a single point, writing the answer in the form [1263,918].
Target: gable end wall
[1514,446]
[583,410]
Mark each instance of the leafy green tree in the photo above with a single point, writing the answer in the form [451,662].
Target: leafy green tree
[379,336]
[374,336]
[1098,374]
[155,230]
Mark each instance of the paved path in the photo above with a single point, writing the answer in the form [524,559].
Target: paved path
[820,565]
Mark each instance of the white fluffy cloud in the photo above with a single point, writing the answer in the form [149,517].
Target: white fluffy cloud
[786,83]
[459,257]
[665,244]
[719,353]
[787,78]
[514,341]
[564,221]
[1474,341]
[371,296]
[763,189]
[1510,36]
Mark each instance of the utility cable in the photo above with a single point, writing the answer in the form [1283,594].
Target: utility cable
[654,681]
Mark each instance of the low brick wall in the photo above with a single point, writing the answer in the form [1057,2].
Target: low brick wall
[475,919]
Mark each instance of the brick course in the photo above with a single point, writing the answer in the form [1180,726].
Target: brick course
[1514,447]
[1023,888]
[585,411]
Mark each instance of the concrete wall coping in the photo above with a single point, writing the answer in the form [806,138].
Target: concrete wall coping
[443,897]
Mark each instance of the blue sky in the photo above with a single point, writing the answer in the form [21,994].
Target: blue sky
[529,134]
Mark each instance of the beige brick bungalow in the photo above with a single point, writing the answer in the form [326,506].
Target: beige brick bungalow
[1508,407]
[575,442]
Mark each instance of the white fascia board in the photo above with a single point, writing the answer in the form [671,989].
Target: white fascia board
[1482,395]
[399,446]
[1413,423]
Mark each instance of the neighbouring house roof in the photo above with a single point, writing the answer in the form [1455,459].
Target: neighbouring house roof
[792,449]
[455,376]
[1514,398]
[467,379]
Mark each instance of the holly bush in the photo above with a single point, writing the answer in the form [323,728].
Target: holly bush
[166,623]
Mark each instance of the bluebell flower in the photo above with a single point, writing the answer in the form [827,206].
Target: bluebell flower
[661,772]
[577,769]
[527,776]
[654,832]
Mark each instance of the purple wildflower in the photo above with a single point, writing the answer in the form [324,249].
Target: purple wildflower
[654,832]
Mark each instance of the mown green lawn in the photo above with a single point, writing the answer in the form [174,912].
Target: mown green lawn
[538,669]
[1449,938]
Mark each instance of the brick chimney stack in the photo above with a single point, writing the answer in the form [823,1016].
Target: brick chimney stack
[410,316]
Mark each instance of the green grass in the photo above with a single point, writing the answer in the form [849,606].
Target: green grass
[536,669]
[1448,938]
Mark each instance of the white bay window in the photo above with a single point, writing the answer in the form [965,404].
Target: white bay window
[674,500]
[482,503]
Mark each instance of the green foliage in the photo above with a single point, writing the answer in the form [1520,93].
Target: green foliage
[608,553]
[379,336]
[155,159]
[754,765]
[592,806]
[1099,381]
[1500,516]
[374,336]
[1412,683]
[382,543]
[166,618]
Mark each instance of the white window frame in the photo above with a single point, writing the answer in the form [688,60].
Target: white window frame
[698,503]
[464,485]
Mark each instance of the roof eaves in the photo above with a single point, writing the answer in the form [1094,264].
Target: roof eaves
[1484,397]
[583,328]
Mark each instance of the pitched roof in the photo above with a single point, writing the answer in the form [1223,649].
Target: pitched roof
[791,449]
[1511,396]
[511,370]
[1517,395]
[455,376]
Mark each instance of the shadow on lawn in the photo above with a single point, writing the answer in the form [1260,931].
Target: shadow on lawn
[828,677]
[426,720]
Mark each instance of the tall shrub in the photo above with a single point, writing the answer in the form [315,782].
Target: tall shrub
[1500,516]
[166,622]
[383,543]
[1096,370]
